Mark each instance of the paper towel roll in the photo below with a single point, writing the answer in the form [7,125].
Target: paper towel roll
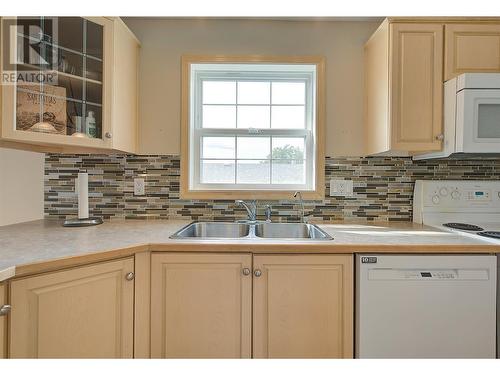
[83,195]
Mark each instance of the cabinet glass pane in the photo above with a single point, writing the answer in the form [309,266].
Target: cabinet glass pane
[93,92]
[94,39]
[67,87]
[70,33]
[69,62]
[54,111]
[27,106]
[488,124]
[93,69]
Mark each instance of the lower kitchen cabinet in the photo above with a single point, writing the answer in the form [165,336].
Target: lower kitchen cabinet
[3,322]
[201,305]
[303,306]
[84,312]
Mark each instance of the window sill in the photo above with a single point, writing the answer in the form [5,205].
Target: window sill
[247,194]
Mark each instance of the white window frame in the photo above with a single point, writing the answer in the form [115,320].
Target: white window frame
[251,72]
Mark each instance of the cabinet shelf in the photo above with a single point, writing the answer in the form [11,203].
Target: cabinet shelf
[69,75]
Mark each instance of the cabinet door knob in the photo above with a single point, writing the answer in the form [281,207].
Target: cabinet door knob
[130,276]
[108,135]
[5,309]
[246,271]
[257,273]
[439,137]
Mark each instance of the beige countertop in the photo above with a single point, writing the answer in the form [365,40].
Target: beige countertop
[45,245]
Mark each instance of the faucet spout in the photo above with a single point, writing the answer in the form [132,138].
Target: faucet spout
[250,207]
[303,217]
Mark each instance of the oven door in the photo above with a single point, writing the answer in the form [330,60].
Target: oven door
[478,121]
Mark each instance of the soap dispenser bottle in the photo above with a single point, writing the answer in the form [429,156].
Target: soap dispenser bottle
[90,125]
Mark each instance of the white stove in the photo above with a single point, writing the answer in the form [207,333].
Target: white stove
[468,208]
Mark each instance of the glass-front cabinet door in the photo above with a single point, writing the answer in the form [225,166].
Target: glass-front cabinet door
[59,73]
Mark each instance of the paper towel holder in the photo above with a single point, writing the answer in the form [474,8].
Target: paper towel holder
[82,222]
[83,219]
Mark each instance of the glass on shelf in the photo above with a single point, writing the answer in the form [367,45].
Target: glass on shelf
[75,121]
[94,39]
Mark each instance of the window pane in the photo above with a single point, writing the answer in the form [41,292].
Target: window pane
[219,116]
[254,116]
[253,92]
[289,93]
[288,148]
[218,148]
[287,117]
[253,172]
[219,92]
[217,171]
[253,148]
[288,172]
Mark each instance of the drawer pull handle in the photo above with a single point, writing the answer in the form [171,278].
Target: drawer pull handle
[130,276]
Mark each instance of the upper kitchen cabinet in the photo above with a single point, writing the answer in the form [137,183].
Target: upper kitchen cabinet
[404,88]
[73,84]
[471,48]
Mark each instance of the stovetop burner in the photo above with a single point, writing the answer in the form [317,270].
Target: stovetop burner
[462,226]
[490,234]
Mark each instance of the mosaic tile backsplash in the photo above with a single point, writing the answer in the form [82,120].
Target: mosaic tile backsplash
[383,188]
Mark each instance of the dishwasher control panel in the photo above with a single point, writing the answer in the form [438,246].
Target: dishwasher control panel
[427,274]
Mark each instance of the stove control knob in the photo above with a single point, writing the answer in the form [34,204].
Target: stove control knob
[455,194]
[435,199]
[443,192]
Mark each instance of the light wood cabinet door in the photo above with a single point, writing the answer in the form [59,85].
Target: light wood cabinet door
[303,306]
[201,305]
[416,81]
[471,48]
[3,323]
[85,312]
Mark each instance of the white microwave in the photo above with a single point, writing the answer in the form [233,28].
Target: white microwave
[471,115]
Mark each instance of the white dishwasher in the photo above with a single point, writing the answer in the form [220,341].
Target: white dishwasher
[425,306]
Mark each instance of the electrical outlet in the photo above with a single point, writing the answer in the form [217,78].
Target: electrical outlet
[139,188]
[341,188]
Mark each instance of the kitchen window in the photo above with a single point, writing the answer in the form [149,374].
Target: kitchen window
[251,128]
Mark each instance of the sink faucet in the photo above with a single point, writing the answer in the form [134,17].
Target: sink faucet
[250,207]
[302,216]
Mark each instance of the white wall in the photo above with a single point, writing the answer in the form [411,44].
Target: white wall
[21,186]
[165,40]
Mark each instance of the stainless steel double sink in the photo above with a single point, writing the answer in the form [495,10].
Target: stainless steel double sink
[257,230]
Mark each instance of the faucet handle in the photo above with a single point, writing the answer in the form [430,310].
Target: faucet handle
[268,212]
